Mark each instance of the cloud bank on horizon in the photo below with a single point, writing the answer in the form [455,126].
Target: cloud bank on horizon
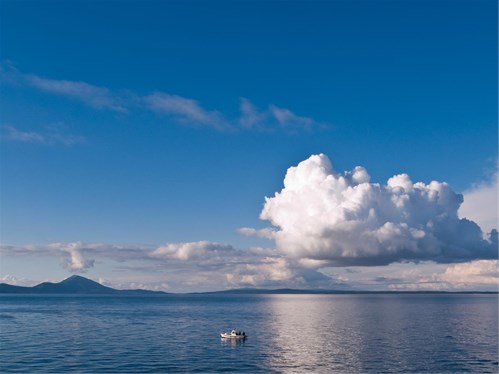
[321,219]
[207,266]
[194,265]
[341,219]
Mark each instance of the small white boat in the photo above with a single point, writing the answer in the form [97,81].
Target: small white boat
[234,334]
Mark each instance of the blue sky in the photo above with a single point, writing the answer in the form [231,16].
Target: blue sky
[142,124]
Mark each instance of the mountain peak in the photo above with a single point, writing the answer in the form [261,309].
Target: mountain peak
[75,277]
[75,284]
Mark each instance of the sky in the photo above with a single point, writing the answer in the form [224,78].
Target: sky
[193,146]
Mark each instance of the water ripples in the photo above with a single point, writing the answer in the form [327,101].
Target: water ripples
[287,333]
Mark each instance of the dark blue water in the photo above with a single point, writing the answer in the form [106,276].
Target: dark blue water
[287,333]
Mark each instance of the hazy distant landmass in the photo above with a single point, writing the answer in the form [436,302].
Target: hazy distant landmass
[77,284]
[73,285]
[291,291]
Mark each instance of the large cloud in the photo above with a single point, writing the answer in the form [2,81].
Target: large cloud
[343,219]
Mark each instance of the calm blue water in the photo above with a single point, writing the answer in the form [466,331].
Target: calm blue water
[287,333]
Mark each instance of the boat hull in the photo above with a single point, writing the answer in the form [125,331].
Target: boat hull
[230,336]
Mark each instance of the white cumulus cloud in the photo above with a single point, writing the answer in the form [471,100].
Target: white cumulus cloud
[74,259]
[343,219]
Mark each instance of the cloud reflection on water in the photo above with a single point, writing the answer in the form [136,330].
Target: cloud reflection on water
[309,332]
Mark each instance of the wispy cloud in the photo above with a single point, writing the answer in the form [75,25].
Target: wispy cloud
[11,133]
[189,111]
[185,111]
[52,135]
[95,96]
[288,119]
[274,118]
[251,118]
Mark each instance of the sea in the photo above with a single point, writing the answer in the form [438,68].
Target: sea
[352,333]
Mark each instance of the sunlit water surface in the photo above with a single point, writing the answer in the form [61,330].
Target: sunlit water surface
[287,333]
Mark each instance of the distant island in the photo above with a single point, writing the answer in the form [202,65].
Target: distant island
[291,291]
[77,284]
[73,285]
